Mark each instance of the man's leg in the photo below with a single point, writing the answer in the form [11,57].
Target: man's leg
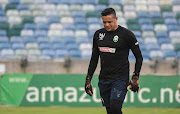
[108,110]
[118,93]
[105,93]
[115,106]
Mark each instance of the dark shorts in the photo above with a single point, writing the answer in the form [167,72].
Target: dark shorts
[113,89]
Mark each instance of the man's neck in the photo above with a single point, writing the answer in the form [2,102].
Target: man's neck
[115,27]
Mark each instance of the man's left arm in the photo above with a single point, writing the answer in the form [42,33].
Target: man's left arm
[134,46]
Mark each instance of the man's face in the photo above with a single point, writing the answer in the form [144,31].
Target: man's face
[109,22]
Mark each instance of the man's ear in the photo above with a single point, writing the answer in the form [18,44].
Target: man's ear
[116,19]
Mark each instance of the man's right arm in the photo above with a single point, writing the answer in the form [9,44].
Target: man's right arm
[94,57]
[92,66]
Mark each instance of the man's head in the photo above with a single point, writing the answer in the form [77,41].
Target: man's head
[109,19]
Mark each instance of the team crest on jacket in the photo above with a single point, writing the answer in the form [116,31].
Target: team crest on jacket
[116,38]
[101,36]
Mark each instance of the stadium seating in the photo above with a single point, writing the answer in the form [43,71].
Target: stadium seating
[57,46]
[18,45]
[7,53]
[43,46]
[21,52]
[58,28]
[56,40]
[48,52]
[3,33]
[61,53]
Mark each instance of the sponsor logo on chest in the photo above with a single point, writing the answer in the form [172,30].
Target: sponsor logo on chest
[107,49]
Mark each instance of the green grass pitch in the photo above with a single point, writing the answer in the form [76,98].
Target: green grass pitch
[83,110]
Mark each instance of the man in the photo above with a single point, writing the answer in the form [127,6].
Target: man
[112,43]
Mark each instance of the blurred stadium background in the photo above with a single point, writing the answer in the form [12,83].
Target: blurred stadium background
[45,48]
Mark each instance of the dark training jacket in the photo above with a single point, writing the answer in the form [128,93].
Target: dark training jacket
[113,49]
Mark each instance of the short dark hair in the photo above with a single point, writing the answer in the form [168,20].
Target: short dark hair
[108,11]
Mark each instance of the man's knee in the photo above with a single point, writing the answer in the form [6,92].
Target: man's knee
[115,106]
[108,110]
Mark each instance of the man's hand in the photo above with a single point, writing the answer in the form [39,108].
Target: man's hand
[134,84]
[88,86]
